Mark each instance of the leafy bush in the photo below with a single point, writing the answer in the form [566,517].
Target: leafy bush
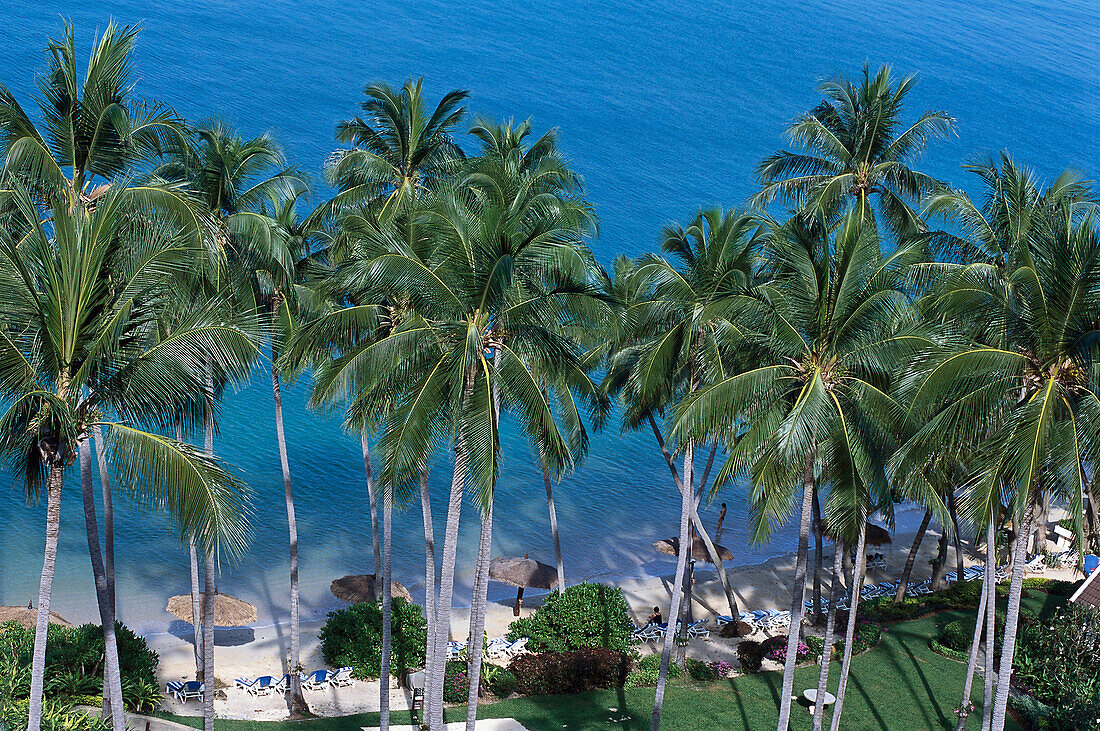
[750,654]
[960,595]
[1058,664]
[775,648]
[353,636]
[584,615]
[648,669]
[816,645]
[867,634]
[702,671]
[1054,587]
[456,682]
[56,716]
[500,681]
[74,662]
[555,673]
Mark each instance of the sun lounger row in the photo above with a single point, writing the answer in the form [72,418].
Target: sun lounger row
[184,691]
[317,680]
[654,631]
[761,619]
[497,648]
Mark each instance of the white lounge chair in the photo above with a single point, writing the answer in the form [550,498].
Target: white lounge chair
[455,650]
[263,685]
[518,647]
[1036,565]
[317,680]
[699,630]
[341,678]
[185,691]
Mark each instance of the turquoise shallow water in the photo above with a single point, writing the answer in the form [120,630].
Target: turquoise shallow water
[662,105]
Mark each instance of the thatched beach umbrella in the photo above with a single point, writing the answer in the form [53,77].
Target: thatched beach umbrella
[526,573]
[699,552]
[229,611]
[28,617]
[364,588]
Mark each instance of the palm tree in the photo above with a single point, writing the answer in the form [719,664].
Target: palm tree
[79,293]
[855,146]
[831,324]
[1024,377]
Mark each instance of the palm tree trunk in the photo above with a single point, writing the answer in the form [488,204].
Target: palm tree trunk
[553,524]
[940,561]
[903,582]
[477,615]
[818,539]
[373,502]
[442,628]
[54,481]
[975,643]
[798,592]
[1015,591]
[112,689]
[108,513]
[387,607]
[955,539]
[687,499]
[830,627]
[990,586]
[196,608]
[849,635]
[711,550]
[296,701]
[208,644]
[429,567]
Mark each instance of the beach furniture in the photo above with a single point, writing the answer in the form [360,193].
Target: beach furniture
[415,681]
[650,633]
[699,630]
[341,678]
[518,647]
[263,685]
[1036,565]
[184,691]
[497,648]
[810,694]
[455,650]
[317,680]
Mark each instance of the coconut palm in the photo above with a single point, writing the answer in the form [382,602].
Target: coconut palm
[831,324]
[855,146]
[1024,378]
[81,347]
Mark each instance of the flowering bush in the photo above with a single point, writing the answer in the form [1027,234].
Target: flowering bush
[750,653]
[555,673]
[866,636]
[456,683]
[721,668]
[775,648]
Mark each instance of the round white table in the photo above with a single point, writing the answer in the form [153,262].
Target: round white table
[810,694]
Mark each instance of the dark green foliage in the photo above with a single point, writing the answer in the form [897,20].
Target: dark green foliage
[353,637]
[960,595]
[56,716]
[584,615]
[646,672]
[1058,664]
[700,670]
[74,663]
[1056,587]
[866,636]
[500,681]
[816,645]
[751,654]
[553,673]
[456,682]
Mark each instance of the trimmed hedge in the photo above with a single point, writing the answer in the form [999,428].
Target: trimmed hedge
[584,615]
[353,636]
[556,673]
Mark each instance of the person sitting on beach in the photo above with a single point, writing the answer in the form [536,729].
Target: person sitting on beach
[656,617]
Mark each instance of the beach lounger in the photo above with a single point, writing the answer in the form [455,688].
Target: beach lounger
[341,678]
[518,647]
[263,685]
[184,691]
[317,680]
[1036,565]
[699,630]
[497,648]
[455,650]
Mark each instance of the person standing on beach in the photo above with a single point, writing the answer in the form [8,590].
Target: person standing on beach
[721,520]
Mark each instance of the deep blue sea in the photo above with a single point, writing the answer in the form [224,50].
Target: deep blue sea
[663,106]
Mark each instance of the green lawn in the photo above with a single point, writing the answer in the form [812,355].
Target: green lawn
[900,684]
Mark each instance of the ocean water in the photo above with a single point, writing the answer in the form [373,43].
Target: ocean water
[663,106]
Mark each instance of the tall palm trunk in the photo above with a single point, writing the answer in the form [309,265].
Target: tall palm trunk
[373,502]
[54,481]
[208,598]
[849,635]
[429,567]
[442,628]
[477,615]
[819,537]
[940,561]
[553,524]
[798,592]
[108,513]
[990,586]
[687,499]
[975,643]
[956,539]
[903,582]
[196,608]
[112,688]
[296,701]
[830,627]
[1015,591]
[387,606]
[711,550]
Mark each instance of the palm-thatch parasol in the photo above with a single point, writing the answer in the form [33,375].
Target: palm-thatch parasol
[699,552]
[876,534]
[229,611]
[524,573]
[28,617]
[364,588]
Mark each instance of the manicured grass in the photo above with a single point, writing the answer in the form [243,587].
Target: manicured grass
[900,684]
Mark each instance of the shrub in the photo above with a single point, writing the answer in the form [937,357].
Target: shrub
[867,634]
[1058,665]
[584,615]
[1054,587]
[500,681]
[816,645]
[701,671]
[456,682]
[750,654]
[555,673]
[353,636]
[775,648]
[56,716]
[648,669]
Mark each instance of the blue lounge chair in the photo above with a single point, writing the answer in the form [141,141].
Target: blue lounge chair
[184,691]
[317,680]
[263,685]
